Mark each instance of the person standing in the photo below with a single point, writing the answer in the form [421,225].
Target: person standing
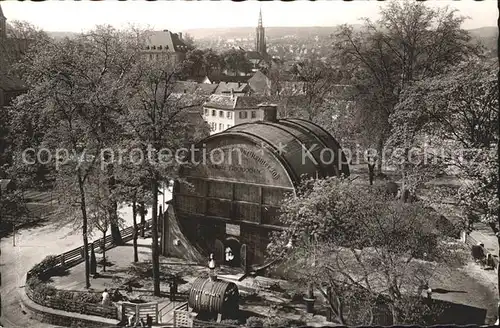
[131,320]
[105,298]
[371,169]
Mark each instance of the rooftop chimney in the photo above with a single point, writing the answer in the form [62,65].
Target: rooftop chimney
[180,35]
[232,93]
[270,112]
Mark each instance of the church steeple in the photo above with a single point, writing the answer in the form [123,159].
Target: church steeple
[3,24]
[260,37]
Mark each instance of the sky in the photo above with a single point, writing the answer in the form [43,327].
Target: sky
[77,16]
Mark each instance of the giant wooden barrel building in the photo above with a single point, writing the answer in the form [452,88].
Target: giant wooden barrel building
[236,180]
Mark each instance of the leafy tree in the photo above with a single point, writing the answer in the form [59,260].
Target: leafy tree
[318,82]
[158,122]
[22,38]
[200,62]
[12,209]
[213,62]
[459,109]
[372,253]
[443,108]
[133,189]
[194,63]
[410,42]
[75,88]
[98,208]
[236,62]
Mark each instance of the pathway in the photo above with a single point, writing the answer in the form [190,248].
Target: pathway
[120,259]
[32,246]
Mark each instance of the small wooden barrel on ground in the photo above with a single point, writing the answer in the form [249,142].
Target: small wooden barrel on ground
[214,296]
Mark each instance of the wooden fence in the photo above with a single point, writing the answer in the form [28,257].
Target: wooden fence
[72,258]
[182,316]
[141,311]
[171,308]
[471,241]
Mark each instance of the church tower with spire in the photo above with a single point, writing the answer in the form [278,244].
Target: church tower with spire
[260,37]
[3,25]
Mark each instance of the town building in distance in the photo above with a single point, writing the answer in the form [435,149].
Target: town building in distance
[162,45]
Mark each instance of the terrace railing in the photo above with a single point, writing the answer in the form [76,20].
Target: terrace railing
[72,258]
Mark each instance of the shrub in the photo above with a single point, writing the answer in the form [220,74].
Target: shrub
[33,281]
[65,295]
[44,291]
[254,322]
[277,322]
[87,297]
[230,322]
[45,266]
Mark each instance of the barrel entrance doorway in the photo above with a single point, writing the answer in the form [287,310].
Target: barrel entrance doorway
[232,255]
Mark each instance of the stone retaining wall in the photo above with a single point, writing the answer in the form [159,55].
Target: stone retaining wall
[62,318]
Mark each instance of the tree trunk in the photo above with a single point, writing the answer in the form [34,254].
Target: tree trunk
[336,309]
[402,192]
[371,173]
[395,316]
[498,273]
[380,151]
[104,251]
[84,231]
[154,236]
[143,217]
[134,217]
[113,209]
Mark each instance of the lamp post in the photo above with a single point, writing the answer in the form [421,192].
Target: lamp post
[211,266]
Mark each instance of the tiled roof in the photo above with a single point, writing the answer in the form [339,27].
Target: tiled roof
[193,88]
[184,87]
[225,87]
[167,41]
[260,83]
[248,101]
[229,78]
[220,101]
[236,102]
[206,89]
[186,99]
